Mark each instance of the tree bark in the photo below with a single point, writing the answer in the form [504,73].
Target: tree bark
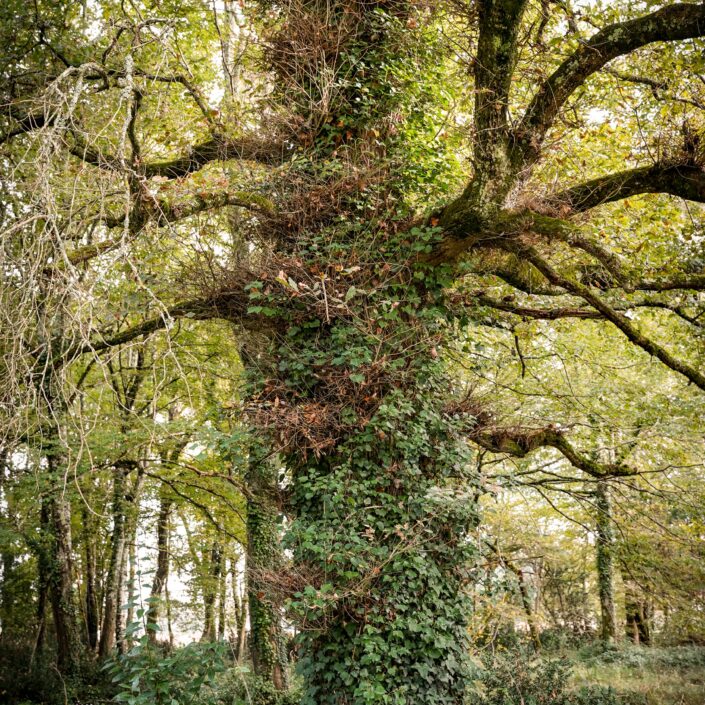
[605,563]
[90,596]
[127,570]
[161,574]
[638,616]
[114,578]
[43,571]
[529,610]
[240,613]
[61,588]
[210,590]
[222,596]
[264,554]
[8,559]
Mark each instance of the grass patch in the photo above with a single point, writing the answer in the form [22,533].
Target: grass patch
[644,676]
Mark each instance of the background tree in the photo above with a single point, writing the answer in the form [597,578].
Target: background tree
[382,190]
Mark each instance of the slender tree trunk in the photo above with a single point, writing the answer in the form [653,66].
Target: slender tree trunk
[210,591]
[264,554]
[120,602]
[114,578]
[638,627]
[161,574]
[528,606]
[242,634]
[222,597]
[526,601]
[132,577]
[240,613]
[61,589]
[127,571]
[167,605]
[43,571]
[90,596]
[605,563]
[7,595]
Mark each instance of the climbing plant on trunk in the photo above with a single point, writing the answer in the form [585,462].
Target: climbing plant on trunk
[349,291]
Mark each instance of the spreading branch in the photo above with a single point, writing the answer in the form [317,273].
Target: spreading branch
[686,181]
[671,23]
[228,305]
[520,442]
[249,148]
[615,317]
[543,313]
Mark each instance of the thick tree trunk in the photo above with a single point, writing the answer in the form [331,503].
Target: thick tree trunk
[605,563]
[161,574]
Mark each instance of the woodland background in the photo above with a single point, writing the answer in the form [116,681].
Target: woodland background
[351,352]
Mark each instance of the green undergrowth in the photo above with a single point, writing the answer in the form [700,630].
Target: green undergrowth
[643,675]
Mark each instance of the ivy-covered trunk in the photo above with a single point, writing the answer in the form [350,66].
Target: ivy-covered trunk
[605,562]
[351,388]
[381,498]
[267,646]
[381,545]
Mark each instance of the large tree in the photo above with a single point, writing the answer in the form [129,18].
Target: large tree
[325,208]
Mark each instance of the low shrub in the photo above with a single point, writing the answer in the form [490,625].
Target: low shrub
[511,677]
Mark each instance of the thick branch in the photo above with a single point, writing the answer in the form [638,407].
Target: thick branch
[499,22]
[521,442]
[228,305]
[222,149]
[164,213]
[538,313]
[246,148]
[542,313]
[671,23]
[24,123]
[685,181]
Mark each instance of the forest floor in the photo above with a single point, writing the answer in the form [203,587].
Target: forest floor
[646,676]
